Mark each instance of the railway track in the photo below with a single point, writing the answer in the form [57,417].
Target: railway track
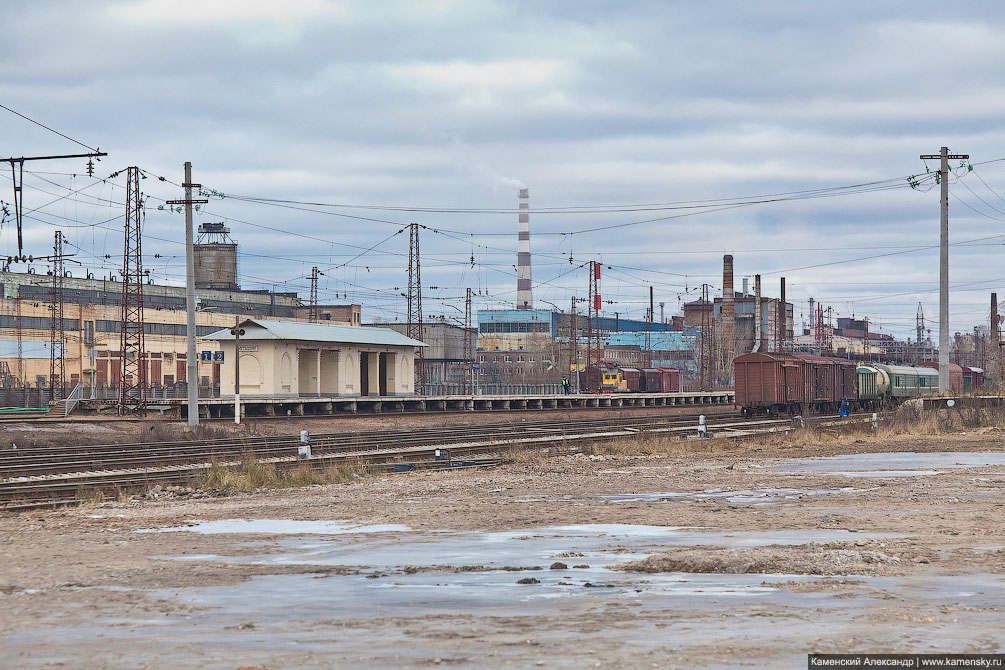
[41,477]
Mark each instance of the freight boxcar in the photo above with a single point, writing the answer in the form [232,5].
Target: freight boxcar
[650,381]
[633,379]
[669,380]
[777,382]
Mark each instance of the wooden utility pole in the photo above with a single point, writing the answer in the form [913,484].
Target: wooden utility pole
[944,157]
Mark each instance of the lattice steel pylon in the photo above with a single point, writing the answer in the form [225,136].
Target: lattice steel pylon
[413,328]
[20,338]
[313,313]
[593,349]
[132,352]
[57,336]
[706,374]
[469,370]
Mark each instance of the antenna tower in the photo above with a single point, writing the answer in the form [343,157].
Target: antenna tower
[414,326]
[313,313]
[57,336]
[132,353]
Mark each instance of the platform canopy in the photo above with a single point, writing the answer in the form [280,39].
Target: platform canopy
[260,329]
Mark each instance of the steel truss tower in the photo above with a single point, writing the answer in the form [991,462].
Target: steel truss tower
[469,371]
[132,353]
[706,372]
[594,352]
[57,336]
[313,315]
[414,325]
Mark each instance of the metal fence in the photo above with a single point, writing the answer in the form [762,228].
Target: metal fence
[493,389]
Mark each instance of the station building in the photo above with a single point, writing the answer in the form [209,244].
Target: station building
[290,359]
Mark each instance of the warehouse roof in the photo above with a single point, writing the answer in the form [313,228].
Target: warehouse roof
[260,329]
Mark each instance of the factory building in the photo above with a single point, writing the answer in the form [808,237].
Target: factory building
[91,324]
[293,359]
[443,357]
[534,345]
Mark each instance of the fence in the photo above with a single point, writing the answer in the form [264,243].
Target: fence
[493,389]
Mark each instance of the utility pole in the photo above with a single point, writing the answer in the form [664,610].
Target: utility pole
[574,341]
[192,376]
[313,310]
[132,352]
[944,158]
[414,325]
[20,336]
[16,174]
[469,370]
[996,333]
[649,328]
[57,338]
[237,331]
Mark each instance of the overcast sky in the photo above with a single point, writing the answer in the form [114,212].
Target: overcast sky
[453,105]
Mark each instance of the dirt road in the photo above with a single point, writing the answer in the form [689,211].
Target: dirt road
[699,556]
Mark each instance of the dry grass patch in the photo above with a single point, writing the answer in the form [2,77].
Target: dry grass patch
[253,474]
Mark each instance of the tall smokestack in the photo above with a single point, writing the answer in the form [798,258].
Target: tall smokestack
[524,299]
[728,315]
[783,320]
[757,313]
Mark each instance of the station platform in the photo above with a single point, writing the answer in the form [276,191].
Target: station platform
[342,405]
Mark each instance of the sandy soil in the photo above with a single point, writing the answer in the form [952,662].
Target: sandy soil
[82,585]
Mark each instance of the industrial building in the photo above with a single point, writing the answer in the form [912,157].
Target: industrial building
[281,359]
[535,345]
[443,359]
[91,310]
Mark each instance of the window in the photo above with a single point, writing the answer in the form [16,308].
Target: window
[532,358]
[481,358]
[509,371]
[507,358]
[495,359]
[519,371]
[519,359]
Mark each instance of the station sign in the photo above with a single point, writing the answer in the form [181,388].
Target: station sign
[205,356]
[248,347]
[476,366]
[577,367]
[218,357]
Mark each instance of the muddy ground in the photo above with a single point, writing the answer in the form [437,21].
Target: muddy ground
[706,555]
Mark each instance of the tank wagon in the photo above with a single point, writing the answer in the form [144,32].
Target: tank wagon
[774,383]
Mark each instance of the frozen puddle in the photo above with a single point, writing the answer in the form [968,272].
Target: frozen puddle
[279,527]
[767,496]
[893,464]
[500,558]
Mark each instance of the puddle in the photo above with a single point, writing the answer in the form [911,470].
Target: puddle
[279,527]
[767,496]
[893,464]
[596,545]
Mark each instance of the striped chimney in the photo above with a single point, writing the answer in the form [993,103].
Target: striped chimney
[524,299]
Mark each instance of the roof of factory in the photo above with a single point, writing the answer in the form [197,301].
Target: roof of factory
[260,329]
[665,341]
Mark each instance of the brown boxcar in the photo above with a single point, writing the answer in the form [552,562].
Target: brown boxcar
[955,375]
[591,379]
[633,379]
[669,380]
[775,382]
[650,381]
